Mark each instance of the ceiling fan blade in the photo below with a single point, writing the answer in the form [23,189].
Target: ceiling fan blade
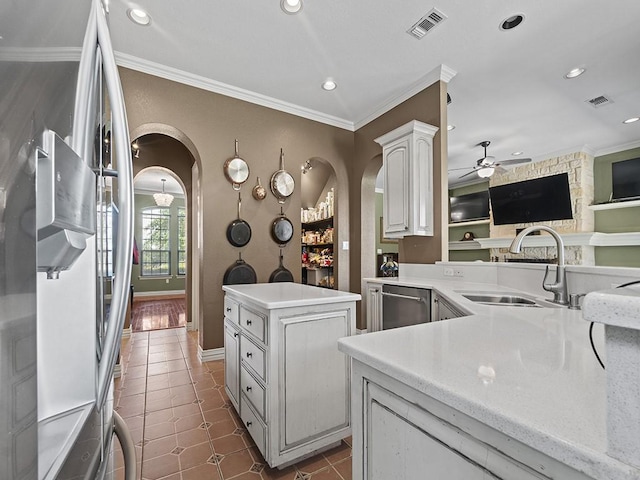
[461,168]
[514,161]
[469,173]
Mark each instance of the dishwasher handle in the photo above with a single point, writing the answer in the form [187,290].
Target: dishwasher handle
[404,297]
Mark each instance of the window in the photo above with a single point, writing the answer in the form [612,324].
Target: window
[156,242]
[104,235]
[182,241]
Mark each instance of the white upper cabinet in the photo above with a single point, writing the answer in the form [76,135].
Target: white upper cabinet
[407,163]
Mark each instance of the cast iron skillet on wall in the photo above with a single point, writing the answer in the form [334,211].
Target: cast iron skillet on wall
[239,231]
[281,274]
[282,229]
[239,272]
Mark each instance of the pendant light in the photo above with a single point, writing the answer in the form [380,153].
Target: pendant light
[163,199]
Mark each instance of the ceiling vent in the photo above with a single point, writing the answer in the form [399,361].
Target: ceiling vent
[426,23]
[600,101]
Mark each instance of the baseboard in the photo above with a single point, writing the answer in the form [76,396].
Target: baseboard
[360,332]
[211,354]
[159,295]
[126,332]
[117,370]
[190,326]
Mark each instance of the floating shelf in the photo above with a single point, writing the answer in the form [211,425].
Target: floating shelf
[593,239]
[615,205]
[484,221]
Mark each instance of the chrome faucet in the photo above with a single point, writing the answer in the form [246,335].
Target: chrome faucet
[559,288]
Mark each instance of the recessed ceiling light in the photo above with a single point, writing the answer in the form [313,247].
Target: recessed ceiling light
[139,16]
[575,72]
[512,22]
[291,7]
[451,127]
[515,154]
[631,120]
[329,85]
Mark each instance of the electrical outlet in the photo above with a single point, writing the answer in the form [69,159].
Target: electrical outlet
[166,280]
[447,272]
[457,272]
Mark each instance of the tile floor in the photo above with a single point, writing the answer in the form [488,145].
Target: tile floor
[183,424]
[158,314]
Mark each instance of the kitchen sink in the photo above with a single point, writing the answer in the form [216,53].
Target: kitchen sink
[506,299]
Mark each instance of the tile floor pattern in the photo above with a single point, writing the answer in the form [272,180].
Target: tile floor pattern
[183,424]
[158,314]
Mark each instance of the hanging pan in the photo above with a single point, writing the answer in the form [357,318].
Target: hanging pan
[282,229]
[238,273]
[282,183]
[239,231]
[236,170]
[281,274]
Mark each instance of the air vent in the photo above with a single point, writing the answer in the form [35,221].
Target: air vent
[426,23]
[600,101]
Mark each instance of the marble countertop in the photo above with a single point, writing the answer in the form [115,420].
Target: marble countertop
[527,372]
[286,294]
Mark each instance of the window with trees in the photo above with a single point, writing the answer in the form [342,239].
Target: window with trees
[155,258]
[182,241]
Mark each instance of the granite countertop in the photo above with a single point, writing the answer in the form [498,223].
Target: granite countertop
[527,372]
[286,294]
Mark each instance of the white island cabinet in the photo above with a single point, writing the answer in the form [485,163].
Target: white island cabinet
[283,371]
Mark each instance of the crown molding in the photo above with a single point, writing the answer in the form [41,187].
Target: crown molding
[440,73]
[619,148]
[173,74]
[54,54]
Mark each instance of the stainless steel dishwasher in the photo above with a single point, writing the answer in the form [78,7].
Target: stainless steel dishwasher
[404,306]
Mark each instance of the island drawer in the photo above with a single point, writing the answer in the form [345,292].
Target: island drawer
[252,390]
[253,425]
[253,356]
[231,309]
[253,322]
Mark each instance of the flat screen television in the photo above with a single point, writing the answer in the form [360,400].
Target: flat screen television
[537,200]
[625,178]
[472,206]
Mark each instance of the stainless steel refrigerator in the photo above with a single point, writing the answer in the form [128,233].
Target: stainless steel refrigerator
[66,218]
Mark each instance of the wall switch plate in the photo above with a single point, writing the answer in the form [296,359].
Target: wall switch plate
[345,245]
[447,272]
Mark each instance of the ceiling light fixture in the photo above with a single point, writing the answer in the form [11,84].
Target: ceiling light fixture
[574,72]
[163,199]
[451,127]
[516,154]
[136,149]
[511,22]
[329,85]
[307,166]
[139,17]
[486,172]
[631,120]
[291,7]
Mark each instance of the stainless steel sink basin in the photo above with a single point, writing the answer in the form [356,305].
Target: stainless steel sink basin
[506,299]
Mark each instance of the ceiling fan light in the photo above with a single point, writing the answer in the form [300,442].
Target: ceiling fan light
[486,172]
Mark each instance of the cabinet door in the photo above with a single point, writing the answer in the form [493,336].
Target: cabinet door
[404,442]
[374,307]
[396,189]
[232,362]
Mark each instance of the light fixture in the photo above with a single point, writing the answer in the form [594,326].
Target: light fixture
[136,149]
[511,22]
[486,172]
[139,17]
[163,199]
[451,127]
[307,166]
[291,7]
[574,72]
[517,154]
[329,85]
[631,120]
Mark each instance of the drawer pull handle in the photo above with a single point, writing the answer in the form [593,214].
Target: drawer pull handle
[248,389]
[228,309]
[249,354]
[249,424]
[248,322]
[235,334]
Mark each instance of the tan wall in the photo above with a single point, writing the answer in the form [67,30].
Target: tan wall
[212,122]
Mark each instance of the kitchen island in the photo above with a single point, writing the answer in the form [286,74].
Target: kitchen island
[505,392]
[283,371]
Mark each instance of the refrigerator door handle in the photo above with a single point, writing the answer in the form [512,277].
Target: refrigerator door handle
[128,447]
[124,248]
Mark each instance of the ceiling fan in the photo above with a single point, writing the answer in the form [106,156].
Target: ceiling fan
[486,166]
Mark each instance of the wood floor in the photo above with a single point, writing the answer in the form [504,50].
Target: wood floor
[158,314]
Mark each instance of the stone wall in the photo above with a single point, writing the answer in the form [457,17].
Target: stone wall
[579,167]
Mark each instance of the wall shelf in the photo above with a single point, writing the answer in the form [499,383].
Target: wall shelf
[484,221]
[615,205]
[593,239]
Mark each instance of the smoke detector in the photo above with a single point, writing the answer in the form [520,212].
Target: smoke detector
[599,101]
[427,23]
